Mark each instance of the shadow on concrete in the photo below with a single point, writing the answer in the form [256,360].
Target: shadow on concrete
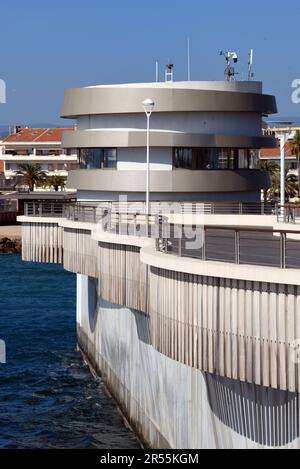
[266,416]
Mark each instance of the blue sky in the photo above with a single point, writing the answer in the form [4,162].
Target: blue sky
[49,46]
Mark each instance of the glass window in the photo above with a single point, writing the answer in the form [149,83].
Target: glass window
[110,158]
[215,158]
[253,159]
[98,158]
[183,158]
[223,158]
[243,162]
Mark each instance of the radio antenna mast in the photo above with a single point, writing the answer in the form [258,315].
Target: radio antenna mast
[189,58]
[169,72]
[250,65]
[230,57]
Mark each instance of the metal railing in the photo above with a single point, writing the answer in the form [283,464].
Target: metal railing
[208,208]
[44,209]
[132,224]
[237,245]
[241,246]
[289,213]
[93,212]
[84,213]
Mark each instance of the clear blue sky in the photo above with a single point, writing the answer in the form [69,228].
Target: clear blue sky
[49,46]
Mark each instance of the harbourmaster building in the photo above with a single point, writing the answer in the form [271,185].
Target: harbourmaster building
[198,345]
[205,141]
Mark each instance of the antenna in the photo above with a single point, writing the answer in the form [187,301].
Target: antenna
[157,72]
[189,58]
[250,65]
[229,70]
[169,72]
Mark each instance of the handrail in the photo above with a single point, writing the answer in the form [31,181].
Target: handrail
[233,244]
[165,207]
[236,245]
[288,213]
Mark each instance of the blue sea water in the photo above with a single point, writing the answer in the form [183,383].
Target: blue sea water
[48,398]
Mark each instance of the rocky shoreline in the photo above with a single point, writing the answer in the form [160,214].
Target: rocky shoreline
[10,245]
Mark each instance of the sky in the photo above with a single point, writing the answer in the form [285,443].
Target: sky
[47,47]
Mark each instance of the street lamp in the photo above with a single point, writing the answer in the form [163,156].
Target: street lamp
[148,107]
[284,136]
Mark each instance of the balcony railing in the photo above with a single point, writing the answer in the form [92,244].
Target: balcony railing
[290,213]
[236,245]
[45,209]
[93,212]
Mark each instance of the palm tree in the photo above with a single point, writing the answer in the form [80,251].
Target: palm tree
[291,185]
[295,148]
[32,174]
[273,168]
[57,182]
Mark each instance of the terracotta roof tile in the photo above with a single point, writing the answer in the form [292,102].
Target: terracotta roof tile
[275,152]
[37,135]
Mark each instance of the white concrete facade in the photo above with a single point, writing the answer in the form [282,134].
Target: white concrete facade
[224,123]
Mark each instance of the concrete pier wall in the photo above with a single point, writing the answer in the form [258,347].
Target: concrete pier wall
[171,404]
[42,242]
[198,354]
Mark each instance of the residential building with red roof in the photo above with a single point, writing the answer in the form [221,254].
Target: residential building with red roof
[37,145]
[274,154]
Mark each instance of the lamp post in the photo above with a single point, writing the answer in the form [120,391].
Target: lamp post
[283,140]
[148,107]
[284,136]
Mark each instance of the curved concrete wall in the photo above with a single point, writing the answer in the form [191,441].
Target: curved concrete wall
[134,138]
[223,123]
[195,361]
[172,405]
[179,181]
[119,100]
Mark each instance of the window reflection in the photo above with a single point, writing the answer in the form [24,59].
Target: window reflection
[215,158]
[98,158]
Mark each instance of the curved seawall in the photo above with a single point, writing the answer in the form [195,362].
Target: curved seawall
[198,354]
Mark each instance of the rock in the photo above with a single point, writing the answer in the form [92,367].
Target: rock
[10,246]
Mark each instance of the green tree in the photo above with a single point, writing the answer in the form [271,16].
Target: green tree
[295,149]
[273,169]
[291,185]
[56,182]
[32,175]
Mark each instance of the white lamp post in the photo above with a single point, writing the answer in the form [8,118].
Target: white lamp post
[148,107]
[284,137]
[283,140]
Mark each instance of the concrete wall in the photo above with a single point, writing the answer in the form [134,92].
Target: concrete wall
[134,159]
[42,241]
[198,354]
[171,404]
[224,123]
[95,196]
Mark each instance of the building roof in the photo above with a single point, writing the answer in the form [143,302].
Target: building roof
[233,86]
[275,152]
[43,135]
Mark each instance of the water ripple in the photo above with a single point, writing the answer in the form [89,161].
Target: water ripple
[48,398]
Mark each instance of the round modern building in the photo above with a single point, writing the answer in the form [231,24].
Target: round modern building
[204,141]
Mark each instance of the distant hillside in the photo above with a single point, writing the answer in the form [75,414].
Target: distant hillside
[274,119]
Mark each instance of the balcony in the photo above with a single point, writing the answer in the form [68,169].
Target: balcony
[10,158]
